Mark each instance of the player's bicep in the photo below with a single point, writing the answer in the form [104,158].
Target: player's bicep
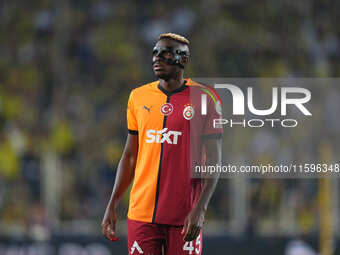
[131,147]
[213,148]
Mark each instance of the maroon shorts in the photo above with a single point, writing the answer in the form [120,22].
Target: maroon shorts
[155,239]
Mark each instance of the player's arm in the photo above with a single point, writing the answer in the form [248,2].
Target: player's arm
[194,221]
[124,177]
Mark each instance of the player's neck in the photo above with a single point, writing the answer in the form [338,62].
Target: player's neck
[171,84]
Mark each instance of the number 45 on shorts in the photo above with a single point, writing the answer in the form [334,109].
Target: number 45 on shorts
[191,248]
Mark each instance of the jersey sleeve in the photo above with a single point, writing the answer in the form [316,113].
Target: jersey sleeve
[214,111]
[131,116]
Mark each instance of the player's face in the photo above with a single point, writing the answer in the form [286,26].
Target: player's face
[162,69]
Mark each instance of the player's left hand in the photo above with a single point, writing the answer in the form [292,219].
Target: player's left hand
[193,224]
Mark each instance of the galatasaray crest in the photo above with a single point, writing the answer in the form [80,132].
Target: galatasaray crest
[188,112]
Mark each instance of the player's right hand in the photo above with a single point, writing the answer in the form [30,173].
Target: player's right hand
[109,224]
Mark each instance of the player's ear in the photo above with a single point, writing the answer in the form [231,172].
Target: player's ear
[185,60]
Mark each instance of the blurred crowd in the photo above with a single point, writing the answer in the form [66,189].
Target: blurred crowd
[66,70]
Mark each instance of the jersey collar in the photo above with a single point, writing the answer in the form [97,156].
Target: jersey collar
[187,82]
